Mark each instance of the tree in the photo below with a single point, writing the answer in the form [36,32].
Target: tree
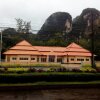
[27,27]
[19,25]
[23,26]
[9,31]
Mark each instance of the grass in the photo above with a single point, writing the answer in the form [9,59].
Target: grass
[52,83]
[49,73]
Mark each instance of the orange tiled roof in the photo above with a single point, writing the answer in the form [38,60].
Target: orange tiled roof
[54,53]
[22,52]
[78,54]
[23,47]
[73,47]
[24,43]
[26,48]
[48,48]
[18,47]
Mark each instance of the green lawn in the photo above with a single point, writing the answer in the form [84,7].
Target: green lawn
[50,73]
[52,83]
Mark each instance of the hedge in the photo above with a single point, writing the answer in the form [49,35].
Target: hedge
[49,77]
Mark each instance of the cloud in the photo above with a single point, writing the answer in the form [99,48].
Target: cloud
[37,11]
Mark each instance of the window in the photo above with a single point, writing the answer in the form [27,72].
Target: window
[72,59]
[59,59]
[43,59]
[87,59]
[23,58]
[67,59]
[51,58]
[37,59]
[32,58]
[80,59]
[14,58]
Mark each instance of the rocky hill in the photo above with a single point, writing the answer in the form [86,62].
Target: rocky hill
[58,22]
[60,30]
[82,29]
[82,23]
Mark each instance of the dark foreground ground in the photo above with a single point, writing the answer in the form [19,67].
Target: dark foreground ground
[87,86]
[49,87]
[52,94]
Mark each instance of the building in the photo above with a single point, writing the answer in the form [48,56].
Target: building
[24,52]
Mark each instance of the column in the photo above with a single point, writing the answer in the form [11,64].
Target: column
[29,59]
[6,59]
[39,58]
[56,59]
[47,58]
[18,59]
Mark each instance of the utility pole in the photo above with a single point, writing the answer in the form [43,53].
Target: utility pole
[1,48]
[1,28]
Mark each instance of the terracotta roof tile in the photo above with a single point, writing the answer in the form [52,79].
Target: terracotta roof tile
[53,53]
[78,54]
[73,47]
[48,48]
[26,48]
[24,43]
[18,47]
[18,52]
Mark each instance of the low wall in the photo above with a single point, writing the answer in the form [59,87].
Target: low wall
[72,66]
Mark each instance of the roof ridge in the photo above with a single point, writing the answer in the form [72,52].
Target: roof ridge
[24,42]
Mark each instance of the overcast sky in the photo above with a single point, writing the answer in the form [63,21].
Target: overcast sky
[37,11]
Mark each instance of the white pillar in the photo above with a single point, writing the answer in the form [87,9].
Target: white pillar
[29,59]
[56,59]
[18,59]
[6,59]
[47,58]
[39,58]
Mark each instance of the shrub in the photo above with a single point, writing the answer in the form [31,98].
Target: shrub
[48,77]
[98,69]
[40,70]
[76,70]
[31,70]
[2,70]
[51,70]
[5,69]
[20,72]
[61,69]
[87,68]
[30,65]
